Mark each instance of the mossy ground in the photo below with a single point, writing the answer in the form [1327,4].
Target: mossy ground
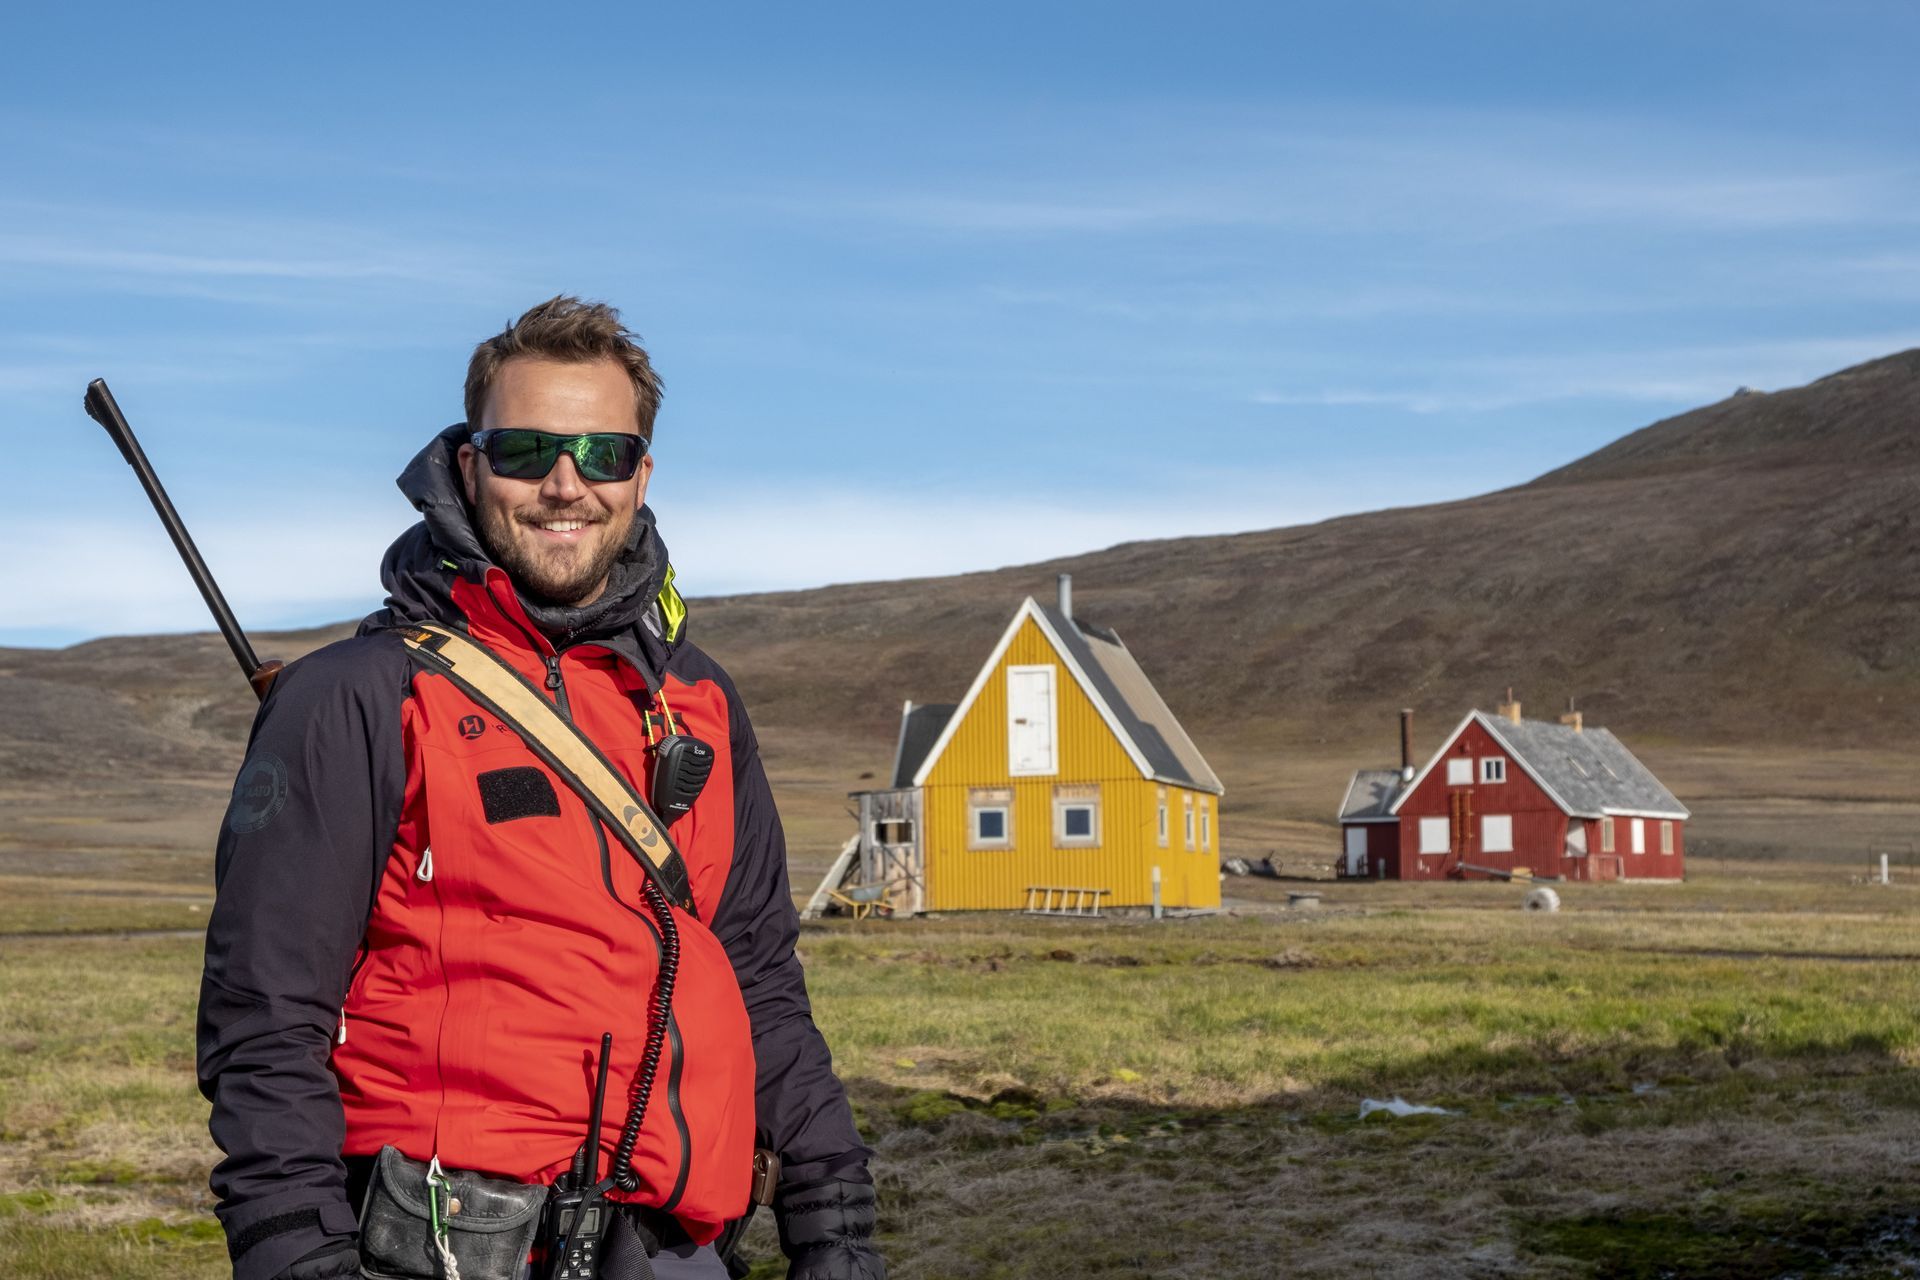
[1699,1093]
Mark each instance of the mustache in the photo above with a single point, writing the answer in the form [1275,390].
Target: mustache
[534,515]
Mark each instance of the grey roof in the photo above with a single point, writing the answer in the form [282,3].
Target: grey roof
[1590,770]
[920,728]
[1144,717]
[1369,795]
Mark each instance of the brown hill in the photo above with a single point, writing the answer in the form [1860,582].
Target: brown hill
[1745,571]
[1745,575]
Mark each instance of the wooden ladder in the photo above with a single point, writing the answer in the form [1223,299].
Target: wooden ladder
[1055,900]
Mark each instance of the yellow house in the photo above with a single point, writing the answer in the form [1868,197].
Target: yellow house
[1061,776]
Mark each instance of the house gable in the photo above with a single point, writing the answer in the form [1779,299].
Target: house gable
[1446,745]
[1029,617]
[1635,791]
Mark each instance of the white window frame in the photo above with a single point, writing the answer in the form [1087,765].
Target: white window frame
[1436,836]
[1496,833]
[1493,769]
[1639,835]
[1187,804]
[990,801]
[1606,835]
[1079,797]
[1163,817]
[1666,836]
[1206,825]
[980,838]
[1051,765]
[1459,771]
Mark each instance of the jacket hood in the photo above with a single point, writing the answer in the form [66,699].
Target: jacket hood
[421,566]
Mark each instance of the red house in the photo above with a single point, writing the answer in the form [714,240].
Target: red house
[1504,794]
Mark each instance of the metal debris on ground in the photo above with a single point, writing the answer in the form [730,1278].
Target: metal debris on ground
[1399,1107]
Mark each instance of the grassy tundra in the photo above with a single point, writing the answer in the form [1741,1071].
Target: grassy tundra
[1707,1080]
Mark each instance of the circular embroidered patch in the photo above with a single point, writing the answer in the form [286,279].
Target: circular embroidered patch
[259,793]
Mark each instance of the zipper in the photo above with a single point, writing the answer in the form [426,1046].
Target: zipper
[557,686]
[674,1043]
[359,959]
[359,962]
[549,654]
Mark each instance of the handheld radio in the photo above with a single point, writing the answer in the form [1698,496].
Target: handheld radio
[577,1211]
[681,766]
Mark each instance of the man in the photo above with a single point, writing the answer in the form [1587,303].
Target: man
[421,932]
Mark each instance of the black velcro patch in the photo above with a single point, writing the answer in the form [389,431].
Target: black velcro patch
[524,792]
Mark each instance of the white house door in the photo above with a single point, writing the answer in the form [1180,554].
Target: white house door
[1356,851]
[1030,732]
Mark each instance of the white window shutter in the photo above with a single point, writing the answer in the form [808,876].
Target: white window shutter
[1032,748]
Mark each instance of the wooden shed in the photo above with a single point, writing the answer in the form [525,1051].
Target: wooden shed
[1061,770]
[1505,795]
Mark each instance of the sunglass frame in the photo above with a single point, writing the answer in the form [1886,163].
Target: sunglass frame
[627,462]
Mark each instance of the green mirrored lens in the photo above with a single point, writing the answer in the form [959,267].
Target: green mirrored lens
[520,453]
[524,455]
[601,457]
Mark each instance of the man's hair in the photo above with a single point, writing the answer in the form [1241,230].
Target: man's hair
[565,328]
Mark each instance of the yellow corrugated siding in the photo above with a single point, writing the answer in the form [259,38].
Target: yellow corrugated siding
[1087,751]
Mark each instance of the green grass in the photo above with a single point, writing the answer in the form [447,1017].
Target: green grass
[149,1249]
[1478,1001]
[1699,1092]
[56,905]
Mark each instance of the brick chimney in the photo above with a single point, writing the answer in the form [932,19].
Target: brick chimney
[1406,744]
[1509,709]
[1572,717]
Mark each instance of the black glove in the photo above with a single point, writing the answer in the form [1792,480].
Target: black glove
[334,1260]
[826,1228]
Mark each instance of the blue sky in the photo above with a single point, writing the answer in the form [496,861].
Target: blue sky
[931,290]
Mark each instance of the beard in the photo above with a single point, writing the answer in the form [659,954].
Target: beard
[562,574]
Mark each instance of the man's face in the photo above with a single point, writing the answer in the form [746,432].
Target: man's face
[559,536]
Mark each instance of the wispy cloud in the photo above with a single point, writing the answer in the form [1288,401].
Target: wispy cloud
[776,539]
[193,249]
[46,251]
[1440,173]
[321,555]
[723,540]
[1672,376]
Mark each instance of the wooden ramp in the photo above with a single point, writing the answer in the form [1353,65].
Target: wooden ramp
[835,877]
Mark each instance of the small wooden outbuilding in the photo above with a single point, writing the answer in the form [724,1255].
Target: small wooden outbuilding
[1505,795]
[1061,770]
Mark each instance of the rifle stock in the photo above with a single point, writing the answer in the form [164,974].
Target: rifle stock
[103,409]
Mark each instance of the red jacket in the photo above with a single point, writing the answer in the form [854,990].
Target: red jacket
[420,933]
[487,975]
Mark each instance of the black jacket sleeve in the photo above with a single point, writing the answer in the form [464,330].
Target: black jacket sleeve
[802,1110]
[301,849]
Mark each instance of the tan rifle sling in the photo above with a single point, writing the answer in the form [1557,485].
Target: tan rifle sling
[483,676]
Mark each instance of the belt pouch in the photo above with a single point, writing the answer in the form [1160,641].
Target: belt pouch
[490,1233]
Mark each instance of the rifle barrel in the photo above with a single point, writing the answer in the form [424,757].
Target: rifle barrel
[103,410]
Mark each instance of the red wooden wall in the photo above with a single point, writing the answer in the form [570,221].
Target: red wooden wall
[1539,829]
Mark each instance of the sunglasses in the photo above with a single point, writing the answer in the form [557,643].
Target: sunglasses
[521,453]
